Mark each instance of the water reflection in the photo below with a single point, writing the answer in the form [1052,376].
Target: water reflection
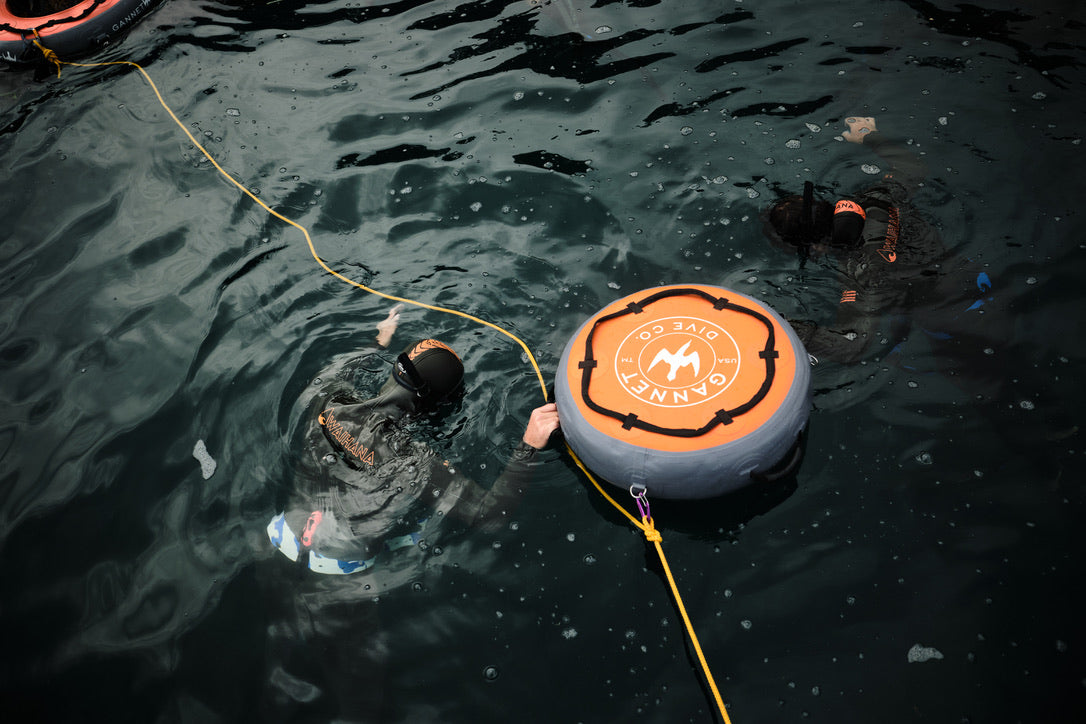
[530,163]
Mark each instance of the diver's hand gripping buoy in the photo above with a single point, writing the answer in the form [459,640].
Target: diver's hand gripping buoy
[691,391]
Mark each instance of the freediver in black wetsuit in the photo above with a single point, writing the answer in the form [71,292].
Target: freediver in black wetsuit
[897,279]
[895,274]
[365,488]
[888,260]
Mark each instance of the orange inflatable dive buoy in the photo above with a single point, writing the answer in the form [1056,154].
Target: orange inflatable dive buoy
[690,391]
[82,26]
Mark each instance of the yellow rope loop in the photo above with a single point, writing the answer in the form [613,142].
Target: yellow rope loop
[49,54]
[651,534]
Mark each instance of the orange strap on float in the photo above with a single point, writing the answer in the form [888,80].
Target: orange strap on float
[722,417]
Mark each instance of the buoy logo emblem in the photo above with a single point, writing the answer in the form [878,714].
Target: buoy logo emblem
[677,361]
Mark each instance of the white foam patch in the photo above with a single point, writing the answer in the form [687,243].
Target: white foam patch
[207,463]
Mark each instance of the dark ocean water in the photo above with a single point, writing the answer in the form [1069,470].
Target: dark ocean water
[528,163]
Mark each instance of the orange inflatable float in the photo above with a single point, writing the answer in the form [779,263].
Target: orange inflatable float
[67,27]
[689,391]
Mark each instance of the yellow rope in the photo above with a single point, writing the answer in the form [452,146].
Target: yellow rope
[50,55]
[651,534]
[646,525]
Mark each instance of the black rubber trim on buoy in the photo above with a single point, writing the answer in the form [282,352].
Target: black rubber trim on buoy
[720,417]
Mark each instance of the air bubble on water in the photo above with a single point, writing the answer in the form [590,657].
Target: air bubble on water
[519,95]
[207,463]
[233,112]
[919,654]
[924,458]
[1039,96]
[942,120]
[613,285]
[406,190]
[569,634]
[571,537]
[686,130]
[745,623]
[870,169]
[752,194]
[792,143]
[720,180]
[490,673]
[329,459]
[913,384]
[1031,280]
[476,206]
[601,30]
[813,128]
[589,560]
[769,161]
[1026,404]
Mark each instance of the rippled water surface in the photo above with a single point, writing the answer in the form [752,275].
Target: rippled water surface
[528,163]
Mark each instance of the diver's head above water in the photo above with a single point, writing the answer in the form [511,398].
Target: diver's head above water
[805,221]
[425,373]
